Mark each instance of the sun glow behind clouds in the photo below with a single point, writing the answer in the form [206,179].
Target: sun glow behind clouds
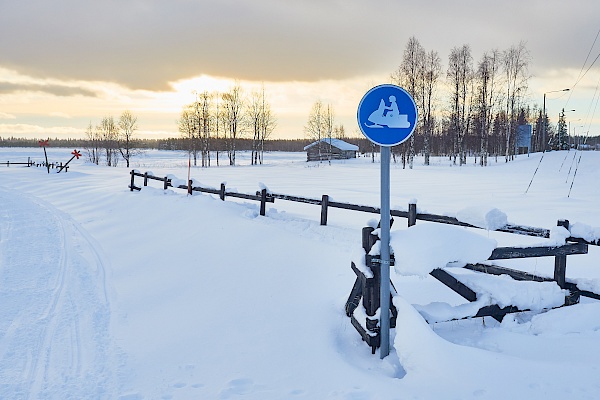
[37,108]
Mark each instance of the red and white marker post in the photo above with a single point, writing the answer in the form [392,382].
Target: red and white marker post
[44,143]
[75,154]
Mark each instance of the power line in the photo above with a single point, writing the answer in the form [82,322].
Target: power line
[580,77]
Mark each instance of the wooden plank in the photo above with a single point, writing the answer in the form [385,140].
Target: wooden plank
[504,253]
[454,284]
[354,207]
[297,199]
[496,312]
[513,273]
[206,190]
[443,220]
[525,230]
[263,202]
[324,206]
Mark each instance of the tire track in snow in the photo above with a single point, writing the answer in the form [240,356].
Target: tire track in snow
[54,324]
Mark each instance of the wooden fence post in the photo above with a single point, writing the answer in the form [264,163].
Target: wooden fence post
[263,202]
[166,183]
[189,188]
[222,193]
[146,178]
[412,214]
[324,206]
[371,300]
[560,262]
[132,180]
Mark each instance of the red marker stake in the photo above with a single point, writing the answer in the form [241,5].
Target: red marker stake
[43,144]
[75,154]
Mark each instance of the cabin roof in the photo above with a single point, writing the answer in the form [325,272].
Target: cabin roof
[340,144]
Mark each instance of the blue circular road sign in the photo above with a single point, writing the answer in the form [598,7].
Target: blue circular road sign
[387,115]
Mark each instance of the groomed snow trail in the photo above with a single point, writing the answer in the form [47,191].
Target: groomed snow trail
[55,313]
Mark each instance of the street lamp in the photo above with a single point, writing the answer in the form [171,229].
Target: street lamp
[544,141]
[568,130]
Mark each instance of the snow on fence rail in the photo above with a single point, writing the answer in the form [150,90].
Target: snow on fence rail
[263,196]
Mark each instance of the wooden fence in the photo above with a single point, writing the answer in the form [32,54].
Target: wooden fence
[366,288]
[263,196]
[31,163]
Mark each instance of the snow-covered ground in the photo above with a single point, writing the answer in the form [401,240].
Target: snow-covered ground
[112,294]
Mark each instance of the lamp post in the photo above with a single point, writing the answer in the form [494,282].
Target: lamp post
[568,130]
[544,141]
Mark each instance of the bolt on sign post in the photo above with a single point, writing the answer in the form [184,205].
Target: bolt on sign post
[387,116]
[44,143]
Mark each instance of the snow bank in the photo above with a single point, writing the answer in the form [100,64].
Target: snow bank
[558,236]
[586,232]
[440,312]
[505,291]
[483,217]
[425,247]
[358,258]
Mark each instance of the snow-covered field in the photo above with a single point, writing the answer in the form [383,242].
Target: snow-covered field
[112,294]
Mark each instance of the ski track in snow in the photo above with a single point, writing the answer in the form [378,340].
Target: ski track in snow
[45,341]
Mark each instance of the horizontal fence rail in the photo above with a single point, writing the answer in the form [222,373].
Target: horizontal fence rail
[8,163]
[263,196]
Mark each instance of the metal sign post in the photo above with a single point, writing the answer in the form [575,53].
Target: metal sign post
[384,287]
[387,116]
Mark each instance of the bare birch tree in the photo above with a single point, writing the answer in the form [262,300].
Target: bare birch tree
[488,99]
[408,75]
[315,126]
[515,65]
[109,134]
[204,116]
[188,126]
[233,119]
[127,128]
[431,70]
[93,144]
[261,123]
[460,78]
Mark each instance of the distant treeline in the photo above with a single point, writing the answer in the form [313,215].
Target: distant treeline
[161,144]
[291,145]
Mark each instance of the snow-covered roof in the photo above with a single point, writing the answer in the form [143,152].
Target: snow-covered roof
[340,144]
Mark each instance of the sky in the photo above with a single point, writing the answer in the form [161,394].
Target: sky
[68,63]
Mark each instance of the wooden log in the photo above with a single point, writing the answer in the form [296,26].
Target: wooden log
[263,202]
[368,239]
[356,292]
[454,284]
[324,206]
[513,273]
[503,253]
[296,199]
[132,184]
[560,261]
[412,214]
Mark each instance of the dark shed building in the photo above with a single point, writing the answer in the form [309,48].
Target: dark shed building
[330,149]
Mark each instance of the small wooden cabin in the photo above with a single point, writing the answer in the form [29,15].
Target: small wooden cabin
[330,149]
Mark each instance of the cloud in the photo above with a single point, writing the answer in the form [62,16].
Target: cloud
[147,44]
[53,89]
[27,130]
[4,115]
